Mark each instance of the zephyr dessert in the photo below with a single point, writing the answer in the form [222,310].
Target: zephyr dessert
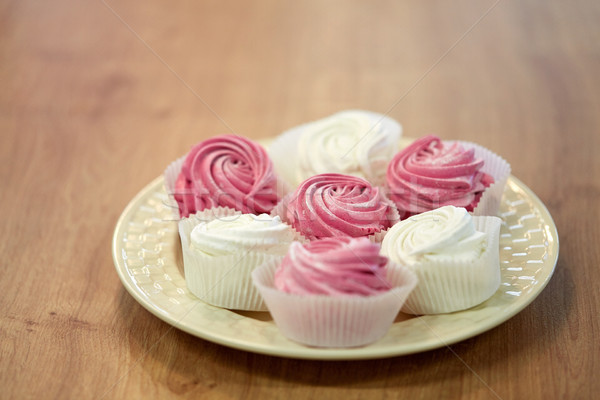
[352,142]
[432,173]
[223,171]
[454,255]
[330,205]
[334,292]
[221,248]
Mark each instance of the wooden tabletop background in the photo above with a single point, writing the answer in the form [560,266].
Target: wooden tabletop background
[98,96]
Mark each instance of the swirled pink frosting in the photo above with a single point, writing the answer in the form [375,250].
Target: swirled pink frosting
[333,266]
[430,174]
[229,171]
[329,205]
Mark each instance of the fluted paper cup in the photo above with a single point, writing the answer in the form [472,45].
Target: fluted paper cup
[450,285]
[170,176]
[393,216]
[222,281]
[284,154]
[499,169]
[334,321]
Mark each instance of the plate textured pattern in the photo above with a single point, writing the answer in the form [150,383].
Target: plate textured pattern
[148,259]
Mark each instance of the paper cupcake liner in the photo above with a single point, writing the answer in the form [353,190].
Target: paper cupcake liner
[210,214]
[378,236]
[284,151]
[222,281]
[328,321]
[393,215]
[284,154]
[449,285]
[170,175]
[281,207]
[499,168]
[283,188]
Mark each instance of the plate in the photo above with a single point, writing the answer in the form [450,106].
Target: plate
[148,260]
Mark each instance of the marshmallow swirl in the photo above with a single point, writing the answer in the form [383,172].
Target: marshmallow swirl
[333,267]
[447,233]
[338,205]
[238,234]
[353,142]
[229,171]
[431,173]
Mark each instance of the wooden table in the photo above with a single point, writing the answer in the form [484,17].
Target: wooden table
[97,97]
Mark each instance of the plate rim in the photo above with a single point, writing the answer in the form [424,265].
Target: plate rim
[325,354]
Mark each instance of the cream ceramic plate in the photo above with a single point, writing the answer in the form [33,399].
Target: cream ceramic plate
[147,257]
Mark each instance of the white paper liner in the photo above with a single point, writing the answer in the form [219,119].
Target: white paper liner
[330,321]
[378,237]
[393,215]
[284,154]
[284,150]
[283,188]
[449,285]
[281,207]
[222,281]
[499,168]
[170,175]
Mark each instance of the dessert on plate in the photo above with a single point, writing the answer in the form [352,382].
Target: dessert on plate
[432,173]
[454,255]
[329,205]
[343,168]
[352,142]
[221,247]
[334,292]
[223,171]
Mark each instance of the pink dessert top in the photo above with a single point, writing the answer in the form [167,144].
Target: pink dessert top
[431,173]
[229,171]
[329,205]
[334,267]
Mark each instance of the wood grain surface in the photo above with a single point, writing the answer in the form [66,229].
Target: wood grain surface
[97,97]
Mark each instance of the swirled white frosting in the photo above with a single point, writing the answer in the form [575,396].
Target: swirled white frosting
[353,142]
[238,234]
[444,233]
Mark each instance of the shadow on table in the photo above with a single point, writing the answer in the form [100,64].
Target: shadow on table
[185,363]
